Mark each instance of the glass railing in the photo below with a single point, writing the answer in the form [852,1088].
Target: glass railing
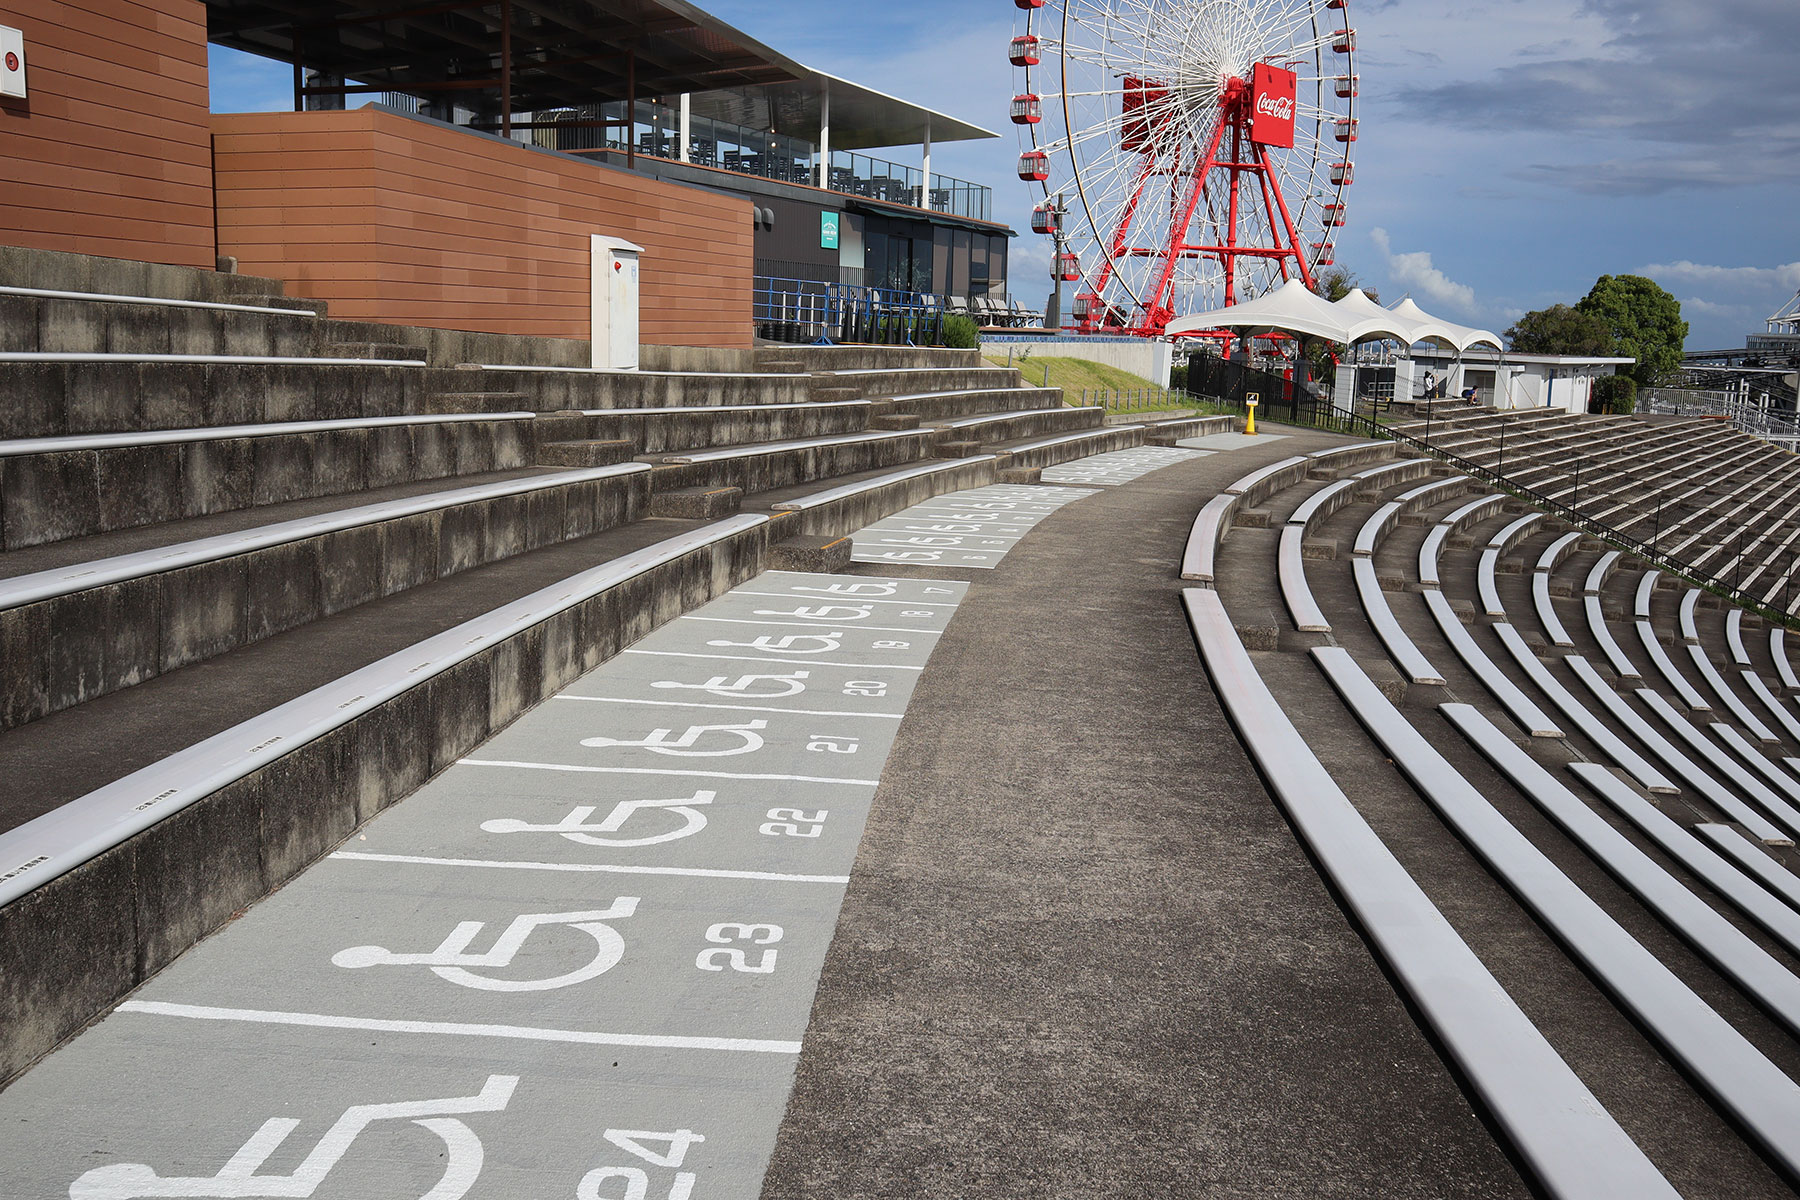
[656,133]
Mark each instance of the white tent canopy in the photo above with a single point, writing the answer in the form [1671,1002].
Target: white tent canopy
[1293,308]
[1461,336]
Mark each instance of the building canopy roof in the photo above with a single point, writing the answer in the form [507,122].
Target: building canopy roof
[1293,308]
[564,52]
[570,53]
[861,118]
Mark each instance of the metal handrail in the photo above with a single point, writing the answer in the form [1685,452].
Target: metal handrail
[1327,415]
[810,310]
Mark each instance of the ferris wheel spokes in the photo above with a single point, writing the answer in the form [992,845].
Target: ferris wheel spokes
[1154,124]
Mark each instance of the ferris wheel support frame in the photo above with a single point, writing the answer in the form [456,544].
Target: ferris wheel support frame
[1154,313]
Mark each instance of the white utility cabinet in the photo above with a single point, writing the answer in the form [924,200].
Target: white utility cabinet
[12,63]
[615,303]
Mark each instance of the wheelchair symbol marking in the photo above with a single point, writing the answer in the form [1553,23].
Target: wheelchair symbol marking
[452,957]
[575,828]
[663,741]
[238,1180]
[792,643]
[718,685]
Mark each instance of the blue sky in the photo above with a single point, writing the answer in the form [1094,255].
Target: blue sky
[1510,151]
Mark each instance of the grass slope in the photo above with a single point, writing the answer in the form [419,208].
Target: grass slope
[1076,375]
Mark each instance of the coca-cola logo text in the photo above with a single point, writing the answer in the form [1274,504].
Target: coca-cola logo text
[1279,107]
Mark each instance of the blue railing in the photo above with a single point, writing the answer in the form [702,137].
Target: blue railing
[807,310]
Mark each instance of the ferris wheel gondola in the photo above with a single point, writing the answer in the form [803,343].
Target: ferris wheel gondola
[1203,147]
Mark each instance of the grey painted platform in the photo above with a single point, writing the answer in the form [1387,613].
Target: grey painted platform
[582,956]
[1118,466]
[1230,441]
[974,528]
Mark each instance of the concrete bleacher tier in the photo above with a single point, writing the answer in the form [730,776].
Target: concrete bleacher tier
[1544,779]
[1719,500]
[263,573]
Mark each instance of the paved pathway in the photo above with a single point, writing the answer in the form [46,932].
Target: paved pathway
[1081,954]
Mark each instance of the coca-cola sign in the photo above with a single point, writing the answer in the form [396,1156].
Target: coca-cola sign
[1272,92]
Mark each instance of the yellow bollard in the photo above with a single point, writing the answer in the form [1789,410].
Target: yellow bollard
[1250,402]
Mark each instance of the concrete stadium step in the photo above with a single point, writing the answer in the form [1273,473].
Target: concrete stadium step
[993,429]
[933,406]
[847,503]
[62,271]
[55,488]
[52,399]
[557,389]
[862,358]
[660,430]
[276,751]
[68,325]
[766,466]
[99,622]
[1067,447]
[913,381]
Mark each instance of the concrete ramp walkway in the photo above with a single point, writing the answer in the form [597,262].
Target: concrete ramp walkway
[1082,954]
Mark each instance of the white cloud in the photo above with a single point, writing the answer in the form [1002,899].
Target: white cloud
[1415,271]
[1695,274]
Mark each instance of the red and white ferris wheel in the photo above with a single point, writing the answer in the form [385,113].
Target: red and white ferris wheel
[1201,148]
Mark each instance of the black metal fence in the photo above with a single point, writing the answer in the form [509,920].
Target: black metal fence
[1325,415]
[1279,398]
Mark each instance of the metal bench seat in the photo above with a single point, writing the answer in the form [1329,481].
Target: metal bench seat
[1567,1140]
[1739,1077]
[1756,972]
[1580,716]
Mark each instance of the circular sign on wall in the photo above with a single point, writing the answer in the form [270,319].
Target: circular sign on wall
[12,61]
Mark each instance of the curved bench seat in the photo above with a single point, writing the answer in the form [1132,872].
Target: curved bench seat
[1690,772]
[1546,610]
[1696,856]
[1291,575]
[1691,1033]
[1511,696]
[1756,972]
[1580,716]
[1752,861]
[1740,778]
[1567,1139]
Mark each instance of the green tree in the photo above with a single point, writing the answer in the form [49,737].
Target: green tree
[1560,329]
[1334,283]
[1645,322]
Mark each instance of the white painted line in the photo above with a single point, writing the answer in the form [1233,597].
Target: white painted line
[589,868]
[790,662]
[582,770]
[798,712]
[818,624]
[998,537]
[580,1037]
[847,599]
